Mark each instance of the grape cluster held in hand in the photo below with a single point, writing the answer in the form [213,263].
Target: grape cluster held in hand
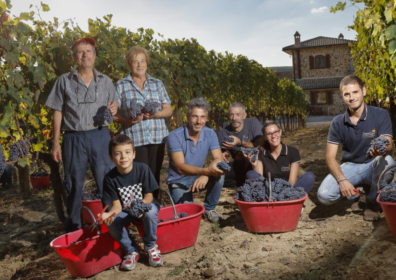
[138,208]
[378,143]
[105,117]
[223,166]
[248,151]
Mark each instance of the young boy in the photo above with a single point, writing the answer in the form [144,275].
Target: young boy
[128,179]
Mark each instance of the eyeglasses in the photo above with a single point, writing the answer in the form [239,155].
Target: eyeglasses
[275,133]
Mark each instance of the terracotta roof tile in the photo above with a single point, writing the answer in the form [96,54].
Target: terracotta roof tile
[319,83]
[319,42]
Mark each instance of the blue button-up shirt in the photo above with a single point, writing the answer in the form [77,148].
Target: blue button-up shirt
[179,141]
[151,131]
[355,139]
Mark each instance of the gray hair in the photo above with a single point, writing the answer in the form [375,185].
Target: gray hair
[237,104]
[199,102]
[82,43]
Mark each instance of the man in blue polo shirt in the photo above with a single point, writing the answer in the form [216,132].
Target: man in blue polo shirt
[354,130]
[188,147]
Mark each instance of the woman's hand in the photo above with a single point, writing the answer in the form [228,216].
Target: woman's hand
[249,157]
[147,116]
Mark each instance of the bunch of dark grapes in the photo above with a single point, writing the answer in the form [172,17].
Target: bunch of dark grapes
[179,215]
[378,143]
[138,208]
[90,194]
[248,151]
[388,193]
[39,174]
[135,108]
[104,118]
[151,106]
[223,166]
[15,152]
[257,190]
[161,221]
[227,139]
[2,161]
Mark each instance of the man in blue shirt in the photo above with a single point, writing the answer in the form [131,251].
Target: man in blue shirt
[355,129]
[188,147]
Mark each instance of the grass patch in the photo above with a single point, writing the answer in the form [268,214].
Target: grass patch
[216,228]
[177,270]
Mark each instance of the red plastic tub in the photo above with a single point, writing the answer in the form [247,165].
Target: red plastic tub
[279,216]
[90,254]
[180,233]
[40,182]
[390,214]
[95,206]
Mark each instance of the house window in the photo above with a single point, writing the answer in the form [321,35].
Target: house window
[321,98]
[320,62]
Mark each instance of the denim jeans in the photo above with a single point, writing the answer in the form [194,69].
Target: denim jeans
[357,174]
[214,187]
[120,234]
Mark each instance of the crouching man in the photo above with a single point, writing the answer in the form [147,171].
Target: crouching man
[355,129]
[188,147]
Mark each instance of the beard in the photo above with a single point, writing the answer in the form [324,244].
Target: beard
[196,129]
[235,123]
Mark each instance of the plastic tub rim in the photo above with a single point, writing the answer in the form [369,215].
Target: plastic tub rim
[270,203]
[76,242]
[184,218]
[384,202]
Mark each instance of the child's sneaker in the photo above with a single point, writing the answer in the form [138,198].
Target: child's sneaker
[154,255]
[129,261]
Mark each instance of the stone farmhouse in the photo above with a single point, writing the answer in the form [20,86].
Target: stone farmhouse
[319,64]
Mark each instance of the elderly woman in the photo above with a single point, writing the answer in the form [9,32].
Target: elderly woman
[146,130]
[280,160]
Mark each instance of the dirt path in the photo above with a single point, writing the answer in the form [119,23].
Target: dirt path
[330,242]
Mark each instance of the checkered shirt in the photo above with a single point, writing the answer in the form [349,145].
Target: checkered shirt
[129,192]
[146,132]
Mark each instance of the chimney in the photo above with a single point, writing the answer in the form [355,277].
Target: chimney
[340,36]
[297,40]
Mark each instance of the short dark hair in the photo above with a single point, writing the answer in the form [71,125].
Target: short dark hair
[120,139]
[351,79]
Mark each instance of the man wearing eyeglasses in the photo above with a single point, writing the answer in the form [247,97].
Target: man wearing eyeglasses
[244,132]
[76,98]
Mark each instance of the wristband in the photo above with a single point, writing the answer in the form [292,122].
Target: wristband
[240,143]
[338,182]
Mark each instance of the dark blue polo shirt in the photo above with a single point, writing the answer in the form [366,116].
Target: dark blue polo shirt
[356,139]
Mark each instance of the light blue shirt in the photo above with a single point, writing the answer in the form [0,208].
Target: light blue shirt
[179,141]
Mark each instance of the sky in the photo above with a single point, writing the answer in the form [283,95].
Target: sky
[253,28]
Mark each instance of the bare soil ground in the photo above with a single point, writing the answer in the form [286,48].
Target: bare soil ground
[330,242]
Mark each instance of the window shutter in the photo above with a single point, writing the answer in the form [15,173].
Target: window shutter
[329,96]
[327,59]
[313,98]
[311,62]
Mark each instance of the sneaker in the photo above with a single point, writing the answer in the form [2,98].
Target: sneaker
[154,256]
[213,216]
[129,261]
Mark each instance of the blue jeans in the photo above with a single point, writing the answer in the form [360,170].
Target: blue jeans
[357,174]
[119,233]
[214,187]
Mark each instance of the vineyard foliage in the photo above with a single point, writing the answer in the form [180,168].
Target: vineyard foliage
[374,56]
[35,52]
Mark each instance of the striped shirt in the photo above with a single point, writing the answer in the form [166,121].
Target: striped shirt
[151,131]
[79,103]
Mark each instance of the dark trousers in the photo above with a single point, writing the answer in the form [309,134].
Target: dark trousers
[153,156]
[237,175]
[79,148]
